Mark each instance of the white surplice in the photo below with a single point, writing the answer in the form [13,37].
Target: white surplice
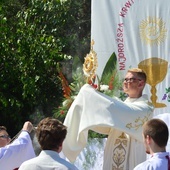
[47,160]
[155,162]
[92,110]
[14,154]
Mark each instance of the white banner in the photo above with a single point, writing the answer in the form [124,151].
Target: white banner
[138,31]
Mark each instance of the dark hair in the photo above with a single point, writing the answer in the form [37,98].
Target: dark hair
[140,73]
[157,130]
[50,133]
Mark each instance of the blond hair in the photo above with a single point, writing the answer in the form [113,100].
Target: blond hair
[140,73]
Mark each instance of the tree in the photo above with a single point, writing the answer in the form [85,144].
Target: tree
[35,36]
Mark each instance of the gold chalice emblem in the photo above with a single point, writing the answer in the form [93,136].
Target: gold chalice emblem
[156,70]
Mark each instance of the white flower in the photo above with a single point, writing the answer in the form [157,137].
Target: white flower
[104,87]
[65,103]
[73,97]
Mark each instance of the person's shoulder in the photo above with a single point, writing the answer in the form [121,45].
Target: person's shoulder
[147,165]
[27,165]
[151,163]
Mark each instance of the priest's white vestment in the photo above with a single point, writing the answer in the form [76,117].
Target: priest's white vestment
[92,110]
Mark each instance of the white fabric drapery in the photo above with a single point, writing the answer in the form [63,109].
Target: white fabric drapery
[92,110]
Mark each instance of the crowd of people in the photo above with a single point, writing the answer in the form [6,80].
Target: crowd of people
[51,133]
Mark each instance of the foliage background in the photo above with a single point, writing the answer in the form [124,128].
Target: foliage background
[35,37]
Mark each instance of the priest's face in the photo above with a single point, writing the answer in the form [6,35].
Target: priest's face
[131,85]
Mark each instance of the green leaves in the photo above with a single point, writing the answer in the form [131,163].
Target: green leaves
[109,69]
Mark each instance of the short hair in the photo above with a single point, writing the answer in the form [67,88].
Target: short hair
[50,133]
[140,73]
[157,130]
[3,128]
